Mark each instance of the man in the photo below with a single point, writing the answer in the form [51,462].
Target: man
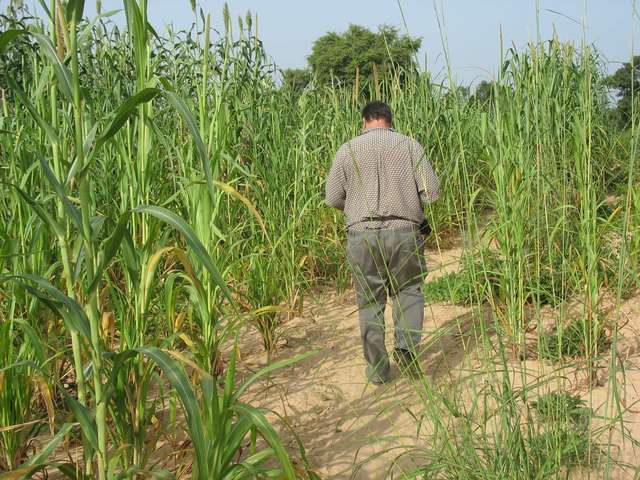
[381,180]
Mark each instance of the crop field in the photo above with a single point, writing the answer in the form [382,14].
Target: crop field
[175,300]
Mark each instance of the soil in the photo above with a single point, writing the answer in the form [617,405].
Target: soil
[354,430]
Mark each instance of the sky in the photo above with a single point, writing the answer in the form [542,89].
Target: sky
[471,29]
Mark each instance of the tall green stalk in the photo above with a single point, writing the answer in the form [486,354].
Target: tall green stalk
[90,261]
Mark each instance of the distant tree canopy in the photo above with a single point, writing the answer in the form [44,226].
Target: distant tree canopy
[296,78]
[341,55]
[484,92]
[626,88]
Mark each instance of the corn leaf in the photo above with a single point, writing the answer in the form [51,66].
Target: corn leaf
[118,117]
[38,209]
[194,243]
[70,470]
[84,419]
[109,249]
[43,454]
[233,442]
[20,473]
[62,72]
[187,396]
[247,469]
[115,121]
[193,128]
[74,316]
[229,190]
[89,157]
[268,369]
[117,362]
[72,212]
[37,462]
[34,339]
[268,433]
[75,10]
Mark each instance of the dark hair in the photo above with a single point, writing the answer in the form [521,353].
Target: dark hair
[377,111]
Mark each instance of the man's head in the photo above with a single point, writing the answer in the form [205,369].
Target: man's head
[376,114]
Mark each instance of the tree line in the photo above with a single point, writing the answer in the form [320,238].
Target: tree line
[359,54]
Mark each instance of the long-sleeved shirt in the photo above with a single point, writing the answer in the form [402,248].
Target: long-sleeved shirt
[380,179]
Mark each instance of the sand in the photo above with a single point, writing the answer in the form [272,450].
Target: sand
[354,430]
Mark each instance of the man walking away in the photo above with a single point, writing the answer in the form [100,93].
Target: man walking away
[381,180]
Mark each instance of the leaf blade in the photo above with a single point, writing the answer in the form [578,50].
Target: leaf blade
[183,228]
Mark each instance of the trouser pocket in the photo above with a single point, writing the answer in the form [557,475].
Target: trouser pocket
[407,263]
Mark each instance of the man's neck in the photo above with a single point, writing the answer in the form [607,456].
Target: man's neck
[376,124]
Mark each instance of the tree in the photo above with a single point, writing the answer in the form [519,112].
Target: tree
[627,87]
[463,92]
[484,92]
[341,55]
[296,78]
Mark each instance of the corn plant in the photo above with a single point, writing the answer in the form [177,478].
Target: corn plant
[82,309]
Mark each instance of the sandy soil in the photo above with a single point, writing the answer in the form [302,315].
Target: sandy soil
[352,430]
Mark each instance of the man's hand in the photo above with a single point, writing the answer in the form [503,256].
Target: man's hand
[425,228]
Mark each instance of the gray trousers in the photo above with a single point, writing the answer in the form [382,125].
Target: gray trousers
[387,263]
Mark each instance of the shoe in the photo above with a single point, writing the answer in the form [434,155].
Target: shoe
[379,382]
[376,378]
[407,363]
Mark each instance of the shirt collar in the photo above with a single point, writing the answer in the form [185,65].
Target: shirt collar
[371,129]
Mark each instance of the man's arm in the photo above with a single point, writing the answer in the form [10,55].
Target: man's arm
[427,181]
[335,192]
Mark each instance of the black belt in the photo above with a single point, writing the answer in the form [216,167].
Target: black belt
[424,227]
[386,219]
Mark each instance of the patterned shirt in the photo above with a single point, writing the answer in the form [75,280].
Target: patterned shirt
[380,178]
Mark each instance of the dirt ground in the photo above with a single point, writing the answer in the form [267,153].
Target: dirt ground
[352,430]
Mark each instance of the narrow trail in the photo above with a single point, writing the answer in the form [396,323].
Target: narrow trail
[354,430]
[350,429]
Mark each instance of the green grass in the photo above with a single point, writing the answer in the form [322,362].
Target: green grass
[562,407]
[568,342]
[491,440]
[468,286]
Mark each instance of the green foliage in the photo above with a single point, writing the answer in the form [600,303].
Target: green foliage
[296,78]
[570,342]
[229,170]
[223,417]
[495,442]
[12,60]
[565,420]
[551,452]
[484,92]
[562,407]
[18,392]
[470,285]
[361,52]
[626,83]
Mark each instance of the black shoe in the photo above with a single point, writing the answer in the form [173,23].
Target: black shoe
[379,381]
[407,363]
[380,376]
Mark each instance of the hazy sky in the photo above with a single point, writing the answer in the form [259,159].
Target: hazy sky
[472,27]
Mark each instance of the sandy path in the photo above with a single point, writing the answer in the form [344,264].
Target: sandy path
[352,430]
[341,420]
